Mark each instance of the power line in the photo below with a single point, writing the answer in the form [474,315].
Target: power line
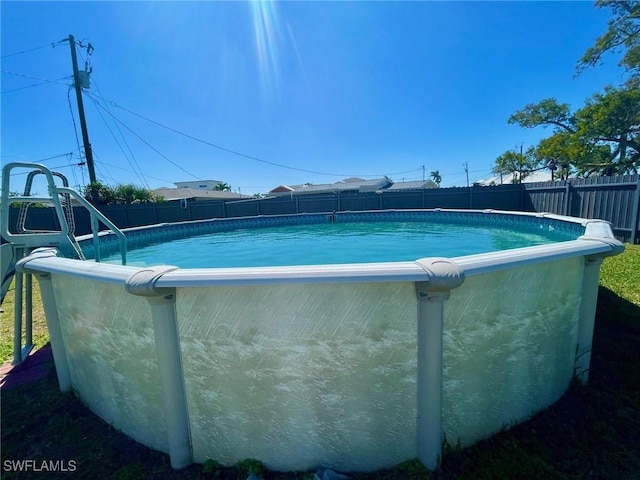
[33,85]
[104,169]
[149,145]
[73,119]
[51,168]
[120,146]
[24,75]
[141,175]
[56,156]
[73,172]
[52,44]
[131,171]
[250,157]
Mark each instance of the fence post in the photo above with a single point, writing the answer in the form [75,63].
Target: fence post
[567,199]
[635,216]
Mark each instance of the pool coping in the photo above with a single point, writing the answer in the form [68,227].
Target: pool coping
[107,243]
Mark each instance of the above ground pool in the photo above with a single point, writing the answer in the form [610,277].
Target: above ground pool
[354,356]
[332,243]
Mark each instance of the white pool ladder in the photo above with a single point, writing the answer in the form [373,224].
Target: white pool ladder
[21,240]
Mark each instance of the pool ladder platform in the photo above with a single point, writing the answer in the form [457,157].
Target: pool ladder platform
[21,240]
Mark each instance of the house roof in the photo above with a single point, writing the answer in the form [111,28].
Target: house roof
[412,185]
[539,176]
[348,184]
[197,194]
[196,181]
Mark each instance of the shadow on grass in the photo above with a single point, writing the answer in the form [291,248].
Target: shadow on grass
[593,431]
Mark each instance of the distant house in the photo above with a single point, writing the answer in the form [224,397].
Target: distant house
[196,194]
[420,185]
[353,184]
[199,184]
[534,177]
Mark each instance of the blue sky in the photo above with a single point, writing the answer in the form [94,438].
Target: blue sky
[335,89]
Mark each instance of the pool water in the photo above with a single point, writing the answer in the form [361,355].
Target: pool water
[332,244]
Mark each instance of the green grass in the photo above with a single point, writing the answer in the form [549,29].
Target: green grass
[593,431]
[40,333]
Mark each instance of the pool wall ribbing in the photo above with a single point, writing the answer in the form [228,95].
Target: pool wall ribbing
[354,366]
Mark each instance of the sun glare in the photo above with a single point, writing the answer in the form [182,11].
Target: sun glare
[265,26]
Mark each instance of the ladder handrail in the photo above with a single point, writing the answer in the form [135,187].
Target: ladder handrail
[65,234]
[25,240]
[95,216]
[6,201]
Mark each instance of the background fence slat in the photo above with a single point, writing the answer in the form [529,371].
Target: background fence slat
[614,199]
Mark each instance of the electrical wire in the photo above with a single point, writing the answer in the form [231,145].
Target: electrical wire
[52,44]
[45,80]
[250,157]
[141,178]
[56,156]
[33,85]
[50,168]
[127,170]
[73,119]
[73,172]
[149,145]
[132,160]
[103,171]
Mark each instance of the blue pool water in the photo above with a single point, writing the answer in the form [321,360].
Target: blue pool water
[330,244]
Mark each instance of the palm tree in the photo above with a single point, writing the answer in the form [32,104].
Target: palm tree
[436,177]
[222,187]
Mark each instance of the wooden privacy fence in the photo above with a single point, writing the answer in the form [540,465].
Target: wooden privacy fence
[614,199]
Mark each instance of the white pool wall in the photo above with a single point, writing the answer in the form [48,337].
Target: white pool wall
[324,365]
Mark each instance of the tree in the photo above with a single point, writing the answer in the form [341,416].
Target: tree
[600,138]
[623,34]
[517,164]
[132,194]
[222,187]
[436,177]
[100,194]
[560,152]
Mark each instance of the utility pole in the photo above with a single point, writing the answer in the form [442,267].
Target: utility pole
[423,179]
[83,123]
[466,170]
[521,160]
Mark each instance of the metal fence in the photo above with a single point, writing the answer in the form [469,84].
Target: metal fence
[614,199]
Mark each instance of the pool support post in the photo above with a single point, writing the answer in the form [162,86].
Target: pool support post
[589,296]
[55,333]
[586,321]
[17,313]
[165,327]
[444,275]
[51,316]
